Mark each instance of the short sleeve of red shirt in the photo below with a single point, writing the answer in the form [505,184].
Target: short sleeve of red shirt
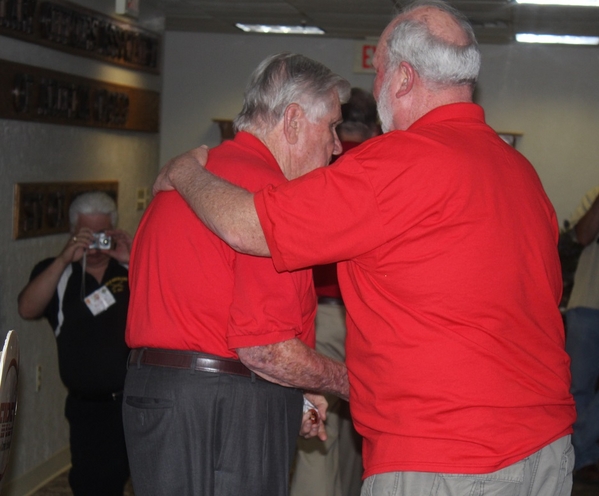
[267,306]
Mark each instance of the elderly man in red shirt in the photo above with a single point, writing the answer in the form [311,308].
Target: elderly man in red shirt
[459,381]
[206,324]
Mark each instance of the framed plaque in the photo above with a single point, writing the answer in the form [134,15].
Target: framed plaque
[41,209]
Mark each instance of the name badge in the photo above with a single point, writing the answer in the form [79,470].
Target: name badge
[100,300]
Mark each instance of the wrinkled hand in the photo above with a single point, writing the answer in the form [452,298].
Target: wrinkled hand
[179,166]
[309,428]
[121,246]
[77,245]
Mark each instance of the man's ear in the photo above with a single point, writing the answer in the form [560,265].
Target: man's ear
[405,76]
[292,120]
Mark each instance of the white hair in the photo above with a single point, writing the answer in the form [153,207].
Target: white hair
[283,79]
[96,202]
[435,60]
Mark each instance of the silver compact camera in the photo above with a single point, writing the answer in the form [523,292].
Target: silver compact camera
[101,242]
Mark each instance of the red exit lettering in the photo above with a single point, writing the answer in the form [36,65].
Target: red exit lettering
[368,56]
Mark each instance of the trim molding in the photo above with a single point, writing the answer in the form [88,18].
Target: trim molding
[27,484]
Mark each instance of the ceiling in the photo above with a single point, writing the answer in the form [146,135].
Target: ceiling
[495,21]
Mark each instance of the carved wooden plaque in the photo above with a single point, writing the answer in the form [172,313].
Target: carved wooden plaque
[74,29]
[43,208]
[34,94]
[227,131]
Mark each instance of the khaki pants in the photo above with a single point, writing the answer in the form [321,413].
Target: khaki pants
[548,472]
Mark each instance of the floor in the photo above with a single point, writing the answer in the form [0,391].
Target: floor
[60,487]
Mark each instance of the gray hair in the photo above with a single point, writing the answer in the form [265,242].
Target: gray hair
[283,79]
[435,60]
[95,202]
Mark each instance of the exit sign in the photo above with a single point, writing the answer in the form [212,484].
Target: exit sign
[364,56]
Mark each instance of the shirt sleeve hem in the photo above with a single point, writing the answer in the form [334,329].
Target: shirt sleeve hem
[235,342]
[266,225]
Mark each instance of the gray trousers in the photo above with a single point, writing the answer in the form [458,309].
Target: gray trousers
[202,434]
[548,472]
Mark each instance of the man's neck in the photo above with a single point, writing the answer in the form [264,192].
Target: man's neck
[430,99]
[277,144]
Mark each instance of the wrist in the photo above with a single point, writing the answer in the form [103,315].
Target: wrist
[61,261]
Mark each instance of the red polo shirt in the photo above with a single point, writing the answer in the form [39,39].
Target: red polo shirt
[451,278]
[325,276]
[190,291]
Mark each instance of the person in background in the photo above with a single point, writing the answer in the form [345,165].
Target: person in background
[84,294]
[455,349]
[334,467]
[582,338]
[208,325]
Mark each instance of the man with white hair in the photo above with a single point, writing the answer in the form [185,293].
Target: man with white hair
[459,381]
[84,295]
[207,325]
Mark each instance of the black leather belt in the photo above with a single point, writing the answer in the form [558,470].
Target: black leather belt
[188,360]
[329,300]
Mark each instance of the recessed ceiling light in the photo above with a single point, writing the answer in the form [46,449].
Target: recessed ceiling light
[572,3]
[278,29]
[552,38]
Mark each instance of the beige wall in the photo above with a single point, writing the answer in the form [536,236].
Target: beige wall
[551,95]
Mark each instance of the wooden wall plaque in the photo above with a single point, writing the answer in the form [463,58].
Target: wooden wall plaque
[227,131]
[68,27]
[41,209]
[41,95]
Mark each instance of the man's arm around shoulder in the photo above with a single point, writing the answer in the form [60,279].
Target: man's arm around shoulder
[227,210]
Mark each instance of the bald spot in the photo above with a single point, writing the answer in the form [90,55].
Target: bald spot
[440,24]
